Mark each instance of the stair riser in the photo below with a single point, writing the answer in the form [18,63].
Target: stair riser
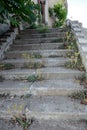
[27,36]
[17,91]
[28,55]
[36,46]
[38,92]
[45,76]
[46,116]
[44,40]
[44,63]
[33,31]
[56,116]
[53,92]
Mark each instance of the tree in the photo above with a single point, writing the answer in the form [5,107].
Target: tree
[18,10]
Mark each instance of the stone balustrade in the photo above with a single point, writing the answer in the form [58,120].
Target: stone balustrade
[5,45]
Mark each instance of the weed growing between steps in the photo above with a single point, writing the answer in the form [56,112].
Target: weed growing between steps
[34,78]
[80,95]
[33,65]
[22,121]
[43,29]
[4,95]
[6,66]
[57,40]
[31,56]
[76,61]
[82,80]
[1,78]
[43,35]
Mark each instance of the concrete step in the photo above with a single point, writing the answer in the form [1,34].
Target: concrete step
[39,40]
[13,87]
[44,62]
[44,73]
[55,87]
[56,107]
[39,88]
[6,124]
[36,53]
[60,124]
[48,107]
[35,46]
[50,30]
[27,35]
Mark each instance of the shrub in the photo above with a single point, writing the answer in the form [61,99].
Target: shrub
[59,12]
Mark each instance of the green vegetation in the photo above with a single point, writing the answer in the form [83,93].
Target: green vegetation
[81,95]
[6,66]
[57,40]
[43,29]
[74,55]
[22,121]
[33,65]
[53,56]
[34,78]
[1,78]
[83,80]
[59,12]
[18,10]
[31,56]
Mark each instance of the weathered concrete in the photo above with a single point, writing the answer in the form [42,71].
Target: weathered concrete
[6,124]
[44,87]
[47,100]
[45,73]
[55,87]
[36,46]
[45,62]
[15,87]
[59,125]
[39,40]
[43,53]
[48,107]
[55,34]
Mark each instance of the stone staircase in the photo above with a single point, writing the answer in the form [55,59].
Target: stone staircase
[39,85]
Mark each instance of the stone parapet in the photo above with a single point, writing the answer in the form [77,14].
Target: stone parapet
[81,37]
[5,45]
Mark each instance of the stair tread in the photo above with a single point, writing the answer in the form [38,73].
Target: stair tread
[51,50]
[44,70]
[45,84]
[35,60]
[45,105]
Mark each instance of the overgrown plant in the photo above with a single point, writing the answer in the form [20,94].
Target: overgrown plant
[74,55]
[6,66]
[31,56]
[59,12]
[34,78]
[35,65]
[22,121]
[79,95]
[43,29]
[83,80]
